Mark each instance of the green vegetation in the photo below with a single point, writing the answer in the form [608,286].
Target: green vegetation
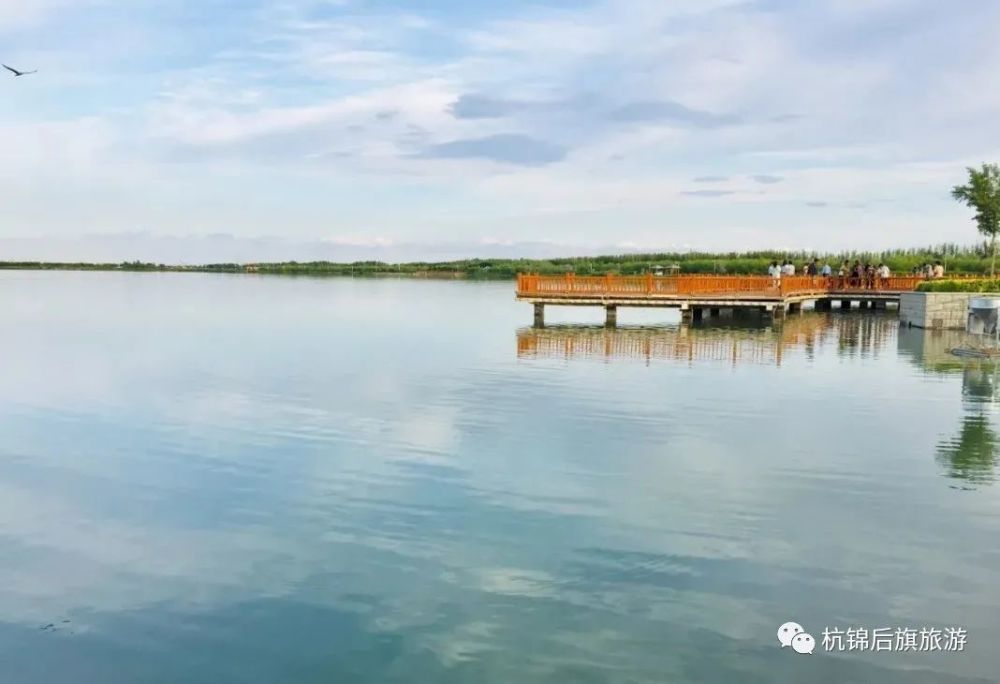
[84,266]
[956,259]
[982,193]
[990,285]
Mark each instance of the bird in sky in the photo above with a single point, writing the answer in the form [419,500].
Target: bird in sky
[18,73]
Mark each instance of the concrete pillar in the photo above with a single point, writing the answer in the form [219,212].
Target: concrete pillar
[611,315]
[697,313]
[539,315]
[772,314]
[714,312]
[795,307]
[824,304]
[880,304]
[845,304]
[686,314]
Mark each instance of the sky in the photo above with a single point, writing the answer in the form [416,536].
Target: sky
[188,131]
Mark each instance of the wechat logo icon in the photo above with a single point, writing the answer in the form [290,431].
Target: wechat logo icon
[792,634]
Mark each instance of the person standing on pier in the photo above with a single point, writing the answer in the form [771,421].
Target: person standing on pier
[869,276]
[938,271]
[774,270]
[826,270]
[857,274]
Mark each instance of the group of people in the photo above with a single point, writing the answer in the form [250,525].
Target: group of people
[787,268]
[857,275]
[929,270]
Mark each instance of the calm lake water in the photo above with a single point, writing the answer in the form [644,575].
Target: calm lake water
[219,479]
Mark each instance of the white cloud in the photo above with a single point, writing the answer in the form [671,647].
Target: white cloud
[17,15]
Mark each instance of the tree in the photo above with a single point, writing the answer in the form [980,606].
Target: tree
[982,193]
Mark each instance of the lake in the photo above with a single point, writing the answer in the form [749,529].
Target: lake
[212,478]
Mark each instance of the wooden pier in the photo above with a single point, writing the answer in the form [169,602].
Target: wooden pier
[699,295]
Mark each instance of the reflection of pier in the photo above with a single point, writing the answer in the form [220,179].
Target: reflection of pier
[733,345]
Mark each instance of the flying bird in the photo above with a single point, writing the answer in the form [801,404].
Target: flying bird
[18,73]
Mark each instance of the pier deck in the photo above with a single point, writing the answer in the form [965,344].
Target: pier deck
[695,295]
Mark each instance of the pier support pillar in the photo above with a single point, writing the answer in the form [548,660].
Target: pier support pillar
[864,304]
[611,315]
[686,314]
[714,312]
[880,304]
[824,304]
[795,307]
[539,315]
[775,314]
[697,313]
[845,304]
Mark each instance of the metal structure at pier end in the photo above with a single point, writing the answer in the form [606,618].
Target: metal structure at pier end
[697,295]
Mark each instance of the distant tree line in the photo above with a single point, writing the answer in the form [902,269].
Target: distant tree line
[956,258]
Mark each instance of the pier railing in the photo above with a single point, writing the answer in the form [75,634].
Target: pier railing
[642,286]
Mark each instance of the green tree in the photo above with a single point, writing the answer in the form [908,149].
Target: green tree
[982,193]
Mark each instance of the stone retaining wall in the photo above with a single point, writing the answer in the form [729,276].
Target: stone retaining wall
[941,310]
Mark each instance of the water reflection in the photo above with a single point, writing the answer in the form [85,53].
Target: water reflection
[928,349]
[971,455]
[206,505]
[863,334]
[721,340]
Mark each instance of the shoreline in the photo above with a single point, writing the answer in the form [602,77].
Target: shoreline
[955,258]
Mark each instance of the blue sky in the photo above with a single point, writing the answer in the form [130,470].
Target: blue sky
[188,131]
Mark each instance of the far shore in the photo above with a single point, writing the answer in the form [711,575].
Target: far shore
[956,259]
